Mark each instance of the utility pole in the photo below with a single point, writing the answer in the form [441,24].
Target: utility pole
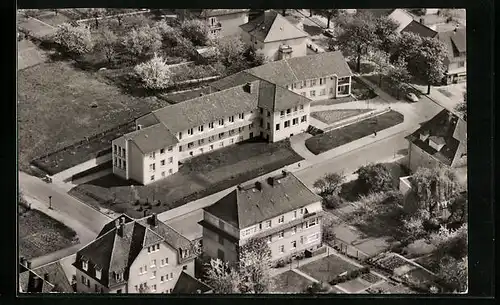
[50,202]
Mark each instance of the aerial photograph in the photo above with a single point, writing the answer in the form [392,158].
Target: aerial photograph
[242,151]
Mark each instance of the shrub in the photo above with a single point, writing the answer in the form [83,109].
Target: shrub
[317,287]
[143,41]
[280,263]
[375,178]
[300,256]
[332,201]
[74,39]
[154,74]
[196,31]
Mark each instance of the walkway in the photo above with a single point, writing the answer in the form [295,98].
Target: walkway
[297,143]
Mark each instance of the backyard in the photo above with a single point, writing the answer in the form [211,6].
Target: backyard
[40,234]
[328,268]
[59,105]
[338,137]
[198,177]
[291,282]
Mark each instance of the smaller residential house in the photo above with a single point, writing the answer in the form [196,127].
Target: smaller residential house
[456,62]
[441,141]
[134,256]
[402,17]
[274,36]
[221,22]
[282,210]
[419,29]
[48,278]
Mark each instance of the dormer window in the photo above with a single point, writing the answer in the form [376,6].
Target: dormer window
[436,142]
[85,265]
[98,273]
[118,276]
[424,136]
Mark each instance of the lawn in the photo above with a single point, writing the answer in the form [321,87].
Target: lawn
[53,19]
[328,268]
[291,282]
[338,137]
[332,116]
[333,101]
[354,286]
[198,177]
[55,108]
[40,234]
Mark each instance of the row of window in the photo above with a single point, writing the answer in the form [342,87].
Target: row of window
[293,231]
[120,163]
[153,248]
[289,110]
[152,166]
[221,135]
[295,121]
[163,174]
[85,267]
[293,244]
[269,223]
[120,151]
[162,152]
[211,125]
[307,83]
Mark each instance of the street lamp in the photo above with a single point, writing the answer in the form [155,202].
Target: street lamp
[50,202]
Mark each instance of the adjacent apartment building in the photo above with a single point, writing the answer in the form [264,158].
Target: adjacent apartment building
[441,141]
[134,256]
[456,63]
[281,210]
[271,101]
[273,36]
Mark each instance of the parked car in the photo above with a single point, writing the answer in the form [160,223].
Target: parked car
[412,97]
[329,33]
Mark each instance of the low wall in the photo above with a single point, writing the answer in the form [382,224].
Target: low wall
[70,172]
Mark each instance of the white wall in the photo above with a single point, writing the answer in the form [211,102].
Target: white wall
[230,23]
[283,133]
[271,49]
[68,173]
[161,171]
[136,163]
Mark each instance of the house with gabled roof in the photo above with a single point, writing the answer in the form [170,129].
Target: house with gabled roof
[273,36]
[271,101]
[456,62]
[134,256]
[282,210]
[420,29]
[49,278]
[441,141]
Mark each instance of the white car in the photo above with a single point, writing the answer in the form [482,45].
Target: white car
[412,97]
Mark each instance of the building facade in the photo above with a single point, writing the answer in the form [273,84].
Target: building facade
[271,101]
[224,22]
[274,37]
[456,62]
[134,256]
[281,210]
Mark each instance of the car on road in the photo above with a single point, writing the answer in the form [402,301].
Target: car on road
[411,97]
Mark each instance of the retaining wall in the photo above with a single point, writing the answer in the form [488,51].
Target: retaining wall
[68,173]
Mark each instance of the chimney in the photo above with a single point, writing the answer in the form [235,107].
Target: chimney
[22,261]
[117,222]
[119,227]
[198,291]
[258,185]
[271,181]
[422,20]
[122,219]
[248,87]
[145,213]
[153,219]
[28,264]
[46,277]
[139,126]
[284,172]
[37,283]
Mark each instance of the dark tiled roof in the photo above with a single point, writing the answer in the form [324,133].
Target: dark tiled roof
[419,29]
[56,276]
[271,26]
[248,206]
[288,71]
[111,252]
[187,284]
[446,128]
[152,138]
[455,41]
[237,79]
[33,282]
[147,120]
[220,12]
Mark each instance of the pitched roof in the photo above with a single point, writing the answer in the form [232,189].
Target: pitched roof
[152,138]
[271,26]
[31,282]
[444,128]
[455,41]
[247,206]
[56,276]
[186,284]
[401,17]
[233,80]
[44,279]
[220,12]
[419,29]
[115,252]
[288,71]
[207,108]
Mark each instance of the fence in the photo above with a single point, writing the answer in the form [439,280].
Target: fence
[348,250]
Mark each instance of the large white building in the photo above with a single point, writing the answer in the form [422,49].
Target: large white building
[271,101]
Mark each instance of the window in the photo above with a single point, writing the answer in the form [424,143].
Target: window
[191,144]
[170,159]
[153,275]
[277,126]
[170,148]
[269,239]
[331,90]
[211,147]
[221,122]
[153,155]
[261,124]
[282,113]
[302,239]
[162,279]
[153,263]
[268,113]
[288,111]
[162,162]
[295,109]
[171,275]
[201,141]
[268,126]
[281,234]
[98,273]
[261,110]
[303,93]
[190,153]
[85,265]
[180,148]
[163,174]
[231,141]
[282,249]
[231,119]
[301,107]
[166,276]
[118,277]
[294,230]
[303,118]
[321,81]
[312,93]
[297,85]
[115,149]
[140,270]
[152,167]
[302,211]
[240,129]
[158,247]
[190,131]
[221,144]
[250,126]
[152,177]
[221,135]
[294,244]
[185,267]
[295,121]
[153,288]
[200,128]
[211,125]
[241,116]
[119,291]
[313,237]
[281,219]
[343,81]
[119,162]
[313,82]
[180,135]
[170,171]
[248,231]
[268,224]
[221,240]
[461,64]
[304,84]
[322,92]
[116,162]
[287,124]
[162,151]
[311,223]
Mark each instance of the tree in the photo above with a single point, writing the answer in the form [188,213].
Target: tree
[462,107]
[170,36]
[107,43]
[433,187]
[428,64]
[398,76]
[222,278]
[327,230]
[385,30]
[229,50]
[413,227]
[196,31]
[143,41]
[454,272]
[138,21]
[330,184]
[328,14]
[374,178]
[96,13]
[458,209]
[155,73]
[255,266]
[74,39]
[357,36]
[253,58]
[450,242]
[118,13]
[317,287]
[382,64]
[406,47]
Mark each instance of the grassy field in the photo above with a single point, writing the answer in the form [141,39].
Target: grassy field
[198,177]
[291,282]
[338,137]
[328,268]
[332,116]
[39,234]
[333,101]
[54,108]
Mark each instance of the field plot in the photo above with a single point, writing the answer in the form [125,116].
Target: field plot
[291,282]
[328,268]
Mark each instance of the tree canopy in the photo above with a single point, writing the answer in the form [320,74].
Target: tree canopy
[374,178]
[154,73]
[75,39]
